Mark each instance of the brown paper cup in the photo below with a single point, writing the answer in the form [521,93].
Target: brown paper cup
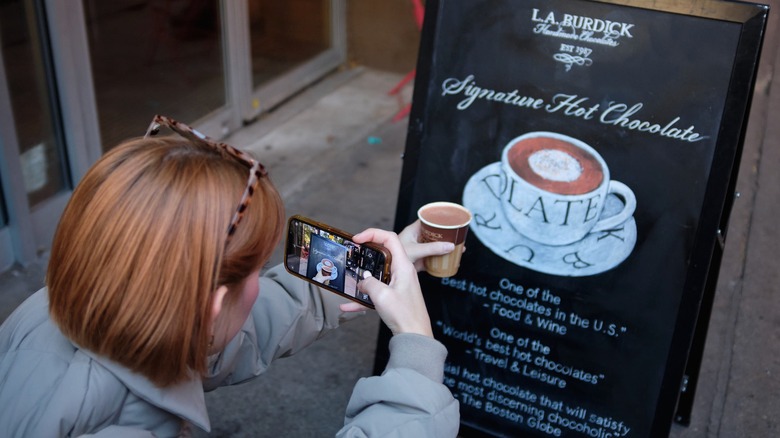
[444,222]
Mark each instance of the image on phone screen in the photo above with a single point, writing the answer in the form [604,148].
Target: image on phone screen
[330,259]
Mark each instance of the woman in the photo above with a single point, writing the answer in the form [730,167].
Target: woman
[152,296]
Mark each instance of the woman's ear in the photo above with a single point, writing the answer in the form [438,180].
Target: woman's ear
[217,301]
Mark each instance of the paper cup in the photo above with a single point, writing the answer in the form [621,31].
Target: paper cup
[444,222]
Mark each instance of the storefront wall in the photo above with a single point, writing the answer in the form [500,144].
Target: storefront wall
[78,77]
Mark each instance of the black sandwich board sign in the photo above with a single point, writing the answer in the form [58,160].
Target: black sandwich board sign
[597,145]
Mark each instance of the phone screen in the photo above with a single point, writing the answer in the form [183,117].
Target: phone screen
[328,258]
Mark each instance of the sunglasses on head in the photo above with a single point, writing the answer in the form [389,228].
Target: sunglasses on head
[256,170]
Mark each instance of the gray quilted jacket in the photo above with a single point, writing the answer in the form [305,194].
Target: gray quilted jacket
[51,388]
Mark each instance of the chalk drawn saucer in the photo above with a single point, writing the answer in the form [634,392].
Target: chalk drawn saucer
[597,252]
[334,275]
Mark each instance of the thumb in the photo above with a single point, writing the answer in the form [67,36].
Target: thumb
[371,286]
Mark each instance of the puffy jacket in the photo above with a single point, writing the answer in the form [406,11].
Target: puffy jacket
[50,387]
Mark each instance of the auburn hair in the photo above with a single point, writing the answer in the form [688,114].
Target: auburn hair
[140,249]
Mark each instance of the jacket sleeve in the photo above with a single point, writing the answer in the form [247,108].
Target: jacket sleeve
[289,314]
[408,399]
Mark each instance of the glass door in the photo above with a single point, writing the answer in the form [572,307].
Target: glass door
[34,174]
[154,57]
[293,43]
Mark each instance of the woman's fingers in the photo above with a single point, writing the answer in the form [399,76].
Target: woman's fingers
[352,307]
[389,240]
[400,304]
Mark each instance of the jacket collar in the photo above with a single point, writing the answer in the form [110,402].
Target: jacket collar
[184,399]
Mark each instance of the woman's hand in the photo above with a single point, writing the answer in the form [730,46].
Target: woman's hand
[400,304]
[416,251]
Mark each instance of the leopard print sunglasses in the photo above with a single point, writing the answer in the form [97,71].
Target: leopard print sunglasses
[256,170]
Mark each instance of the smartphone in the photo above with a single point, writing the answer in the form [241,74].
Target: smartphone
[328,257]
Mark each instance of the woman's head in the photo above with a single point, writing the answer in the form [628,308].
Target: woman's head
[141,248]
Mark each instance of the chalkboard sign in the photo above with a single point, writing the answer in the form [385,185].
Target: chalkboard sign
[596,144]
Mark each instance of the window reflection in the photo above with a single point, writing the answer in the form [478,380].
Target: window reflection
[285,34]
[25,55]
[154,57]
